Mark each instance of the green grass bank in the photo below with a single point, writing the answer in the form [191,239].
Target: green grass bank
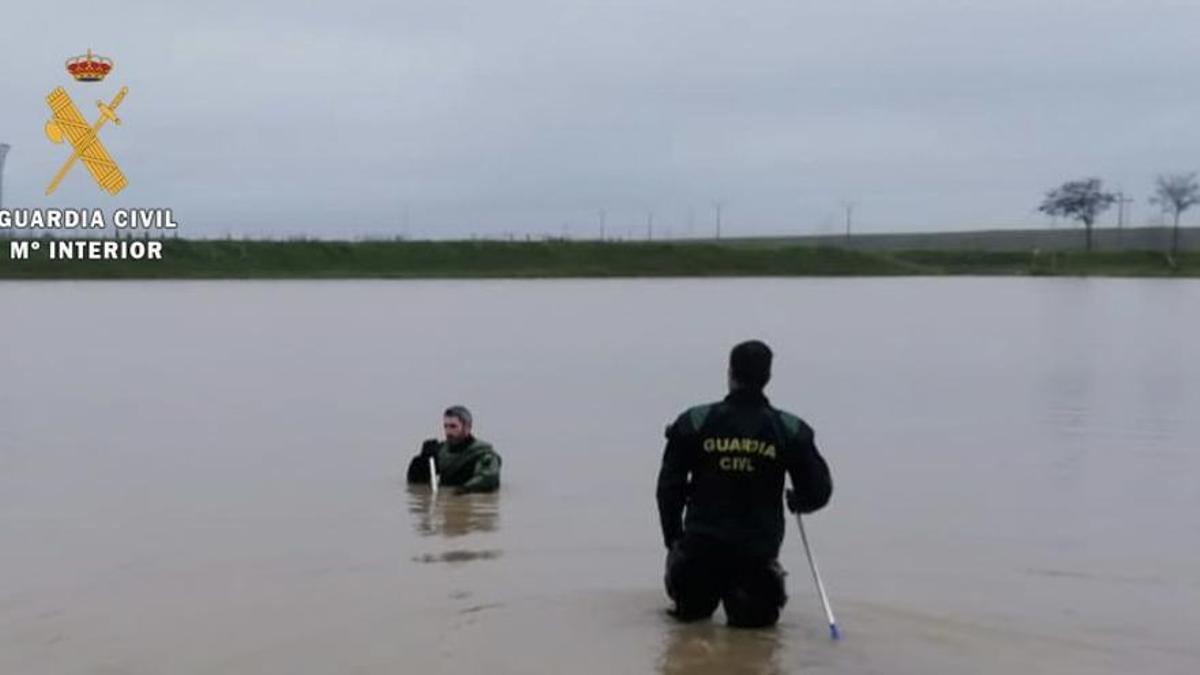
[226,259]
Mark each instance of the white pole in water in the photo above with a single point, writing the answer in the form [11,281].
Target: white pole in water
[433,477]
[812,562]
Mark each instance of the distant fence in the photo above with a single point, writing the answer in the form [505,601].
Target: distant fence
[1059,239]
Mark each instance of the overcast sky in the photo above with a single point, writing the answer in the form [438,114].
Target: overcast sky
[335,119]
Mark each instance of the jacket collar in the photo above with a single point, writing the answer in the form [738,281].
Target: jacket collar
[463,444]
[745,396]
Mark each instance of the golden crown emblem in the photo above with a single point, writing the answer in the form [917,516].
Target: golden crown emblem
[89,68]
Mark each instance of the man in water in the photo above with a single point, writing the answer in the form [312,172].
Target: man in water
[463,462]
[725,463]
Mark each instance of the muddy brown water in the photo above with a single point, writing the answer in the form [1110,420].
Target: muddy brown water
[206,477]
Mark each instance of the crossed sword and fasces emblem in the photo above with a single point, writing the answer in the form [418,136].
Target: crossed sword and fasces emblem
[69,124]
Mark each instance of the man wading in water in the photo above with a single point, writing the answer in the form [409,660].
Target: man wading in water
[725,463]
[463,462]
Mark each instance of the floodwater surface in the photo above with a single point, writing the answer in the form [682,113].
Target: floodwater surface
[207,477]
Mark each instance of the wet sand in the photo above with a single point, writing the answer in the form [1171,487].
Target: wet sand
[207,477]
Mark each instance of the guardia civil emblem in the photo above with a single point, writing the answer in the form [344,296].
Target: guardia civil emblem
[68,124]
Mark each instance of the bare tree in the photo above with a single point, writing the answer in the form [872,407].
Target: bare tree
[1080,200]
[1176,193]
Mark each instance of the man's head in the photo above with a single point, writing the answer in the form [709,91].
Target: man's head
[750,365]
[456,422]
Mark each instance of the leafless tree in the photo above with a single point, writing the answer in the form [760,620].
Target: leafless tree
[1080,200]
[1176,193]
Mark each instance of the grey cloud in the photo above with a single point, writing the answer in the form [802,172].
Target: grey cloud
[334,118]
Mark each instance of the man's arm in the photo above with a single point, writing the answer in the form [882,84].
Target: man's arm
[486,477]
[811,482]
[673,480]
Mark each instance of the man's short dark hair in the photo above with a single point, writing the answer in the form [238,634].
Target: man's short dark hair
[460,413]
[750,364]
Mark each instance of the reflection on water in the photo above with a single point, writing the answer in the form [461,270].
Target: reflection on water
[457,556]
[703,648]
[448,515]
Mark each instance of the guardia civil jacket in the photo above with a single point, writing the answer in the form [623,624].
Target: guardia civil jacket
[724,466]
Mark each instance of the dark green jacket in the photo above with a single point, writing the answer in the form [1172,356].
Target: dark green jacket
[470,466]
[725,463]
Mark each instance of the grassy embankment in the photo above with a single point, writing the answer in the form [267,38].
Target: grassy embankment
[210,259]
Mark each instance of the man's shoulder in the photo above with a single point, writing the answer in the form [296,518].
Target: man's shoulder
[480,445]
[691,420]
[793,424]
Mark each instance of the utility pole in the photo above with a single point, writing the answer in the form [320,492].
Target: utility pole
[603,216]
[650,225]
[849,207]
[1122,200]
[4,148]
[718,206]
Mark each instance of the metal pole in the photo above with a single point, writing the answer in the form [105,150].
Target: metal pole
[834,633]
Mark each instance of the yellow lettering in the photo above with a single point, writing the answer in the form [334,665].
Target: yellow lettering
[751,446]
[740,464]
